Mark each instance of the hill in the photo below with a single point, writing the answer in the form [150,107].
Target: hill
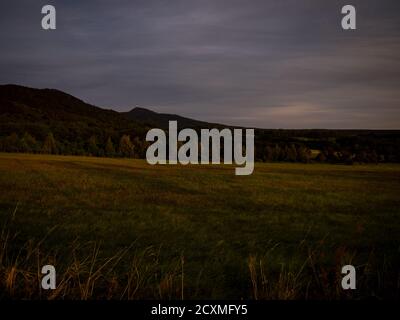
[161,120]
[70,120]
[50,108]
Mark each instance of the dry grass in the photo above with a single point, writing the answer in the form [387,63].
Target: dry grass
[314,280]
[84,277]
[90,276]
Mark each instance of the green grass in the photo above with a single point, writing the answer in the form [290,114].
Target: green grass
[225,234]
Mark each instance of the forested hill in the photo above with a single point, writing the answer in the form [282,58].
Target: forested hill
[41,110]
[51,121]
[76,126]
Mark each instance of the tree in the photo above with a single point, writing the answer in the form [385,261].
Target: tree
[140,148]
[303,154]
[321,157]
[110,150]
[126,146]
[50,145]
[346,156]
[10,144]
[27,143]
[93,149]
[373,157]
[331,155]
[291,153]
[277,155]
[269,154]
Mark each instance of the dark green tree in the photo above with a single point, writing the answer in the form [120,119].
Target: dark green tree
[10,143]
[109,150]
[291,153]
[269,154]
[93,148]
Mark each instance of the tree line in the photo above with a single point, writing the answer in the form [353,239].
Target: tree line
[125,145]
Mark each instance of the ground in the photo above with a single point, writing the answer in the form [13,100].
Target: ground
[200,231]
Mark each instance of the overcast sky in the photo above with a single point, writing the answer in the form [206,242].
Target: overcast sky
[259,63]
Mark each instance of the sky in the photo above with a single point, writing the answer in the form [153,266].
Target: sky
[254,63]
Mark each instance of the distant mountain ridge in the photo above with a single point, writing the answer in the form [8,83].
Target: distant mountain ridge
[161,120]
[54,104]
[50,104]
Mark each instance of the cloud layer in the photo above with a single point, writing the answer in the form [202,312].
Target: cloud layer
[271,64]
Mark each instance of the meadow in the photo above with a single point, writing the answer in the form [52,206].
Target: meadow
[122,229]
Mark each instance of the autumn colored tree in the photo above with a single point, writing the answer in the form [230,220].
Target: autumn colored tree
[126,146]
[27,143]
[50,145]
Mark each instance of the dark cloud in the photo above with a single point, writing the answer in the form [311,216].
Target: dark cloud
[257,63]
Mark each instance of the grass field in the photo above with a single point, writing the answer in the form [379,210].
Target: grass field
[120,228]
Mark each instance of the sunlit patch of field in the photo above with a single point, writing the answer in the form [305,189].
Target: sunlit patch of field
[199,231]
